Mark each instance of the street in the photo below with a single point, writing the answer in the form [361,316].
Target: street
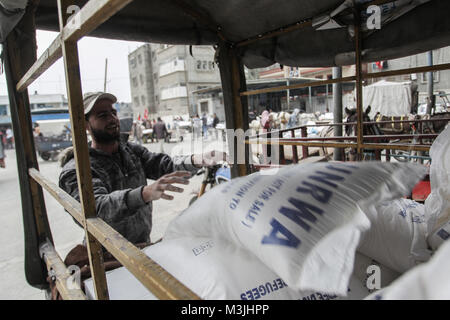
[66,234]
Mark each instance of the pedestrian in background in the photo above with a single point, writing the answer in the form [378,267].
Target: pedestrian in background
[197,126]
[9,139]
[2,150]
[160,131]
[215,123]
[205,126]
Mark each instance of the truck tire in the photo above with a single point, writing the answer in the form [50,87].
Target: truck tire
[45,155]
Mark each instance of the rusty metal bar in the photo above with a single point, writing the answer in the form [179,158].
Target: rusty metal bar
[298,86]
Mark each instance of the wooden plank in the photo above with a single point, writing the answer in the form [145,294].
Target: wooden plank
[92,15]
[69,203]
[46,60]
[298,86]
[69,290]
[81,151]
[152,276]
[236,107]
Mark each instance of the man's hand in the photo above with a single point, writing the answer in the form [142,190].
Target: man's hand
[208,159]
[156,190]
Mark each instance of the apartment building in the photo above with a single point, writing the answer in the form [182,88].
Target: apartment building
[163,83]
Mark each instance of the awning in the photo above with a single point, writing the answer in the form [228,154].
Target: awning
[323,35]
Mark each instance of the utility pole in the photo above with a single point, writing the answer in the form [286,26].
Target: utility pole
[106,74]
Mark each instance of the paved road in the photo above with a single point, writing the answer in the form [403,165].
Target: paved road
[66,233]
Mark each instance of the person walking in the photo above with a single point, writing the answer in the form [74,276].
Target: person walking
[9,139]
[2,150]
[205,126]
[293,119]
[160,131]
[197,124]
[215,123]
[138,132]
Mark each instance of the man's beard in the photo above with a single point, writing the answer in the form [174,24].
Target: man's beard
[103,137]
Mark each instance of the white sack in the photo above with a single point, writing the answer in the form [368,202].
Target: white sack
[217,270]
[428,281]
[371,274]
[437,203]
[397,237]
[303,220]
[388,98]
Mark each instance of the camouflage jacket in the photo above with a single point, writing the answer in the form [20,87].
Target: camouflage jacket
[118,180]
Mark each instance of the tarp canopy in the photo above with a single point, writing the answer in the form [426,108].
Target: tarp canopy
[388,98]
[407,27]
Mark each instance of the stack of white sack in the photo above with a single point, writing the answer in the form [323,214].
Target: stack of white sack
[426,230]
[437,204]
[303,222]
[218,270]
[428,281]
[397,237]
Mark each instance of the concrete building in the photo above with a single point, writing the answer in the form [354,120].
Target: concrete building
[168,74]
[441,79]
[316,99]
[141,72]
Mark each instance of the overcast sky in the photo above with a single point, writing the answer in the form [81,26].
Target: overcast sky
[92,53]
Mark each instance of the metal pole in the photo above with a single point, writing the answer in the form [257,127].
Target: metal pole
[359,92]
[337,110]
[106,74]
[431,101]
[310,100]
[287,96]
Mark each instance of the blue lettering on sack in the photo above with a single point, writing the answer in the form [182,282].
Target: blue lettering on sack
[263,289]
[319,296]
[443,234]
[289,240]
[326,178]
[320,194]
[302,213]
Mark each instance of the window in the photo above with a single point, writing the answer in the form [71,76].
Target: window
[3,110]
[139,59]
[133,63]
[203,65]
[135,82]
[136,101]
[143,100]
[424,77]
[141,79]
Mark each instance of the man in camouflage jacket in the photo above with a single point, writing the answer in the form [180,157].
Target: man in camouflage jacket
[120,171]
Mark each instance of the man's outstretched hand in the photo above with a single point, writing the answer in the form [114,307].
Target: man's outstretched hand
[209,159]
[157,189]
